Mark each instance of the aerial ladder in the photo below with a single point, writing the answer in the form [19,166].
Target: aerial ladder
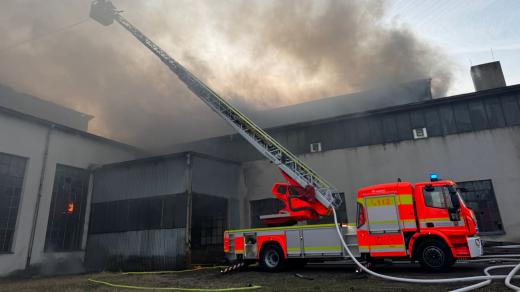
[307,196]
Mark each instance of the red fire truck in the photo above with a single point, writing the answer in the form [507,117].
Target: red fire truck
[427,222]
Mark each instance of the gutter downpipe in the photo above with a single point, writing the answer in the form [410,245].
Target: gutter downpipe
[189,202]
[38,199]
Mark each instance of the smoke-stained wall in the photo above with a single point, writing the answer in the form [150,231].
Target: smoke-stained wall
[161,212]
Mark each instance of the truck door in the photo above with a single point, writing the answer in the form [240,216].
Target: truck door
[384,231]
[433,212]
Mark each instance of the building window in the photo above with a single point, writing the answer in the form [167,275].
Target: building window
[12,171]
[479,196]
[67,212]
[264,207]
[157,212]
[209,220]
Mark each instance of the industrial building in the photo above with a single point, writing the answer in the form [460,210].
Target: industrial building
[136,211]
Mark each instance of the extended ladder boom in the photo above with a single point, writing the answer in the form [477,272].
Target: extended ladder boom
[105,13]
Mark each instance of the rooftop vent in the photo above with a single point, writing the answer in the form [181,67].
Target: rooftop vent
[487,76]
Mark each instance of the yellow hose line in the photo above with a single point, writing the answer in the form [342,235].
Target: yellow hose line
[172,288]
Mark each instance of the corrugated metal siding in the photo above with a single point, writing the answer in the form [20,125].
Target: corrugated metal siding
[440,117]
[138,204]
[157,212]
[137,250]
[215,177]
[142,179]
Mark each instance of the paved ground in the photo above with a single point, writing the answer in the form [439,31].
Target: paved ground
[316,278]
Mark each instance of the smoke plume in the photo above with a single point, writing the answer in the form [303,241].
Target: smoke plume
[258,54]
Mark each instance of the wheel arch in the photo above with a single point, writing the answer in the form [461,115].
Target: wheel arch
[272,242]
[418,238]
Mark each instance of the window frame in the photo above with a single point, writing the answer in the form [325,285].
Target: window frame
[75,242]
[18,188]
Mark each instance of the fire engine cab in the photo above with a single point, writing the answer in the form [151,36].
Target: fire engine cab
[427,222]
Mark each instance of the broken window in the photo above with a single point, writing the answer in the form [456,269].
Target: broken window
[67,211]
[12,171]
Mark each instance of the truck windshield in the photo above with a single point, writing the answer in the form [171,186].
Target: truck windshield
[437,197]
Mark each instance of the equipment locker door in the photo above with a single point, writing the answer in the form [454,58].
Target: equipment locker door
[385,236]
[293,243]
[321,241]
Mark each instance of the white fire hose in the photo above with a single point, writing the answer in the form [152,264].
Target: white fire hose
[486,280]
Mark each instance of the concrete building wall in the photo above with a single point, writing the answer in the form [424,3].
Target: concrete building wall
[26,138]
[489,154]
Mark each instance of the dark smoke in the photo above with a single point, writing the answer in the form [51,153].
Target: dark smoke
[259,54]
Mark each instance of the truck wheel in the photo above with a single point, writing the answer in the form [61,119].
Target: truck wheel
[271,258]
[434,255]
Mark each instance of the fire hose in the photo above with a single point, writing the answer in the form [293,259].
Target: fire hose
[126,286]
[486,280]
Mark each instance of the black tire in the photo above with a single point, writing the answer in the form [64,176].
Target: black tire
[434,255]
[272,258]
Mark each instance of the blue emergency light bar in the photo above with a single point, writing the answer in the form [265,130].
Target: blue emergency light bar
[434,177]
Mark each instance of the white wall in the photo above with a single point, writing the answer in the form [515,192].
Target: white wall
[27,138]
[490,154]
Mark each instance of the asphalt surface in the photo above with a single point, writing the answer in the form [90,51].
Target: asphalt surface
[313,277]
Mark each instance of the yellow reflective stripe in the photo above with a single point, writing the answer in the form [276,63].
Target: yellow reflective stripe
[293,249]
[405,199]
[329,247]
[434,219]
[380,201]
[382,246]
[382,222]
[387,246]
[361,201]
